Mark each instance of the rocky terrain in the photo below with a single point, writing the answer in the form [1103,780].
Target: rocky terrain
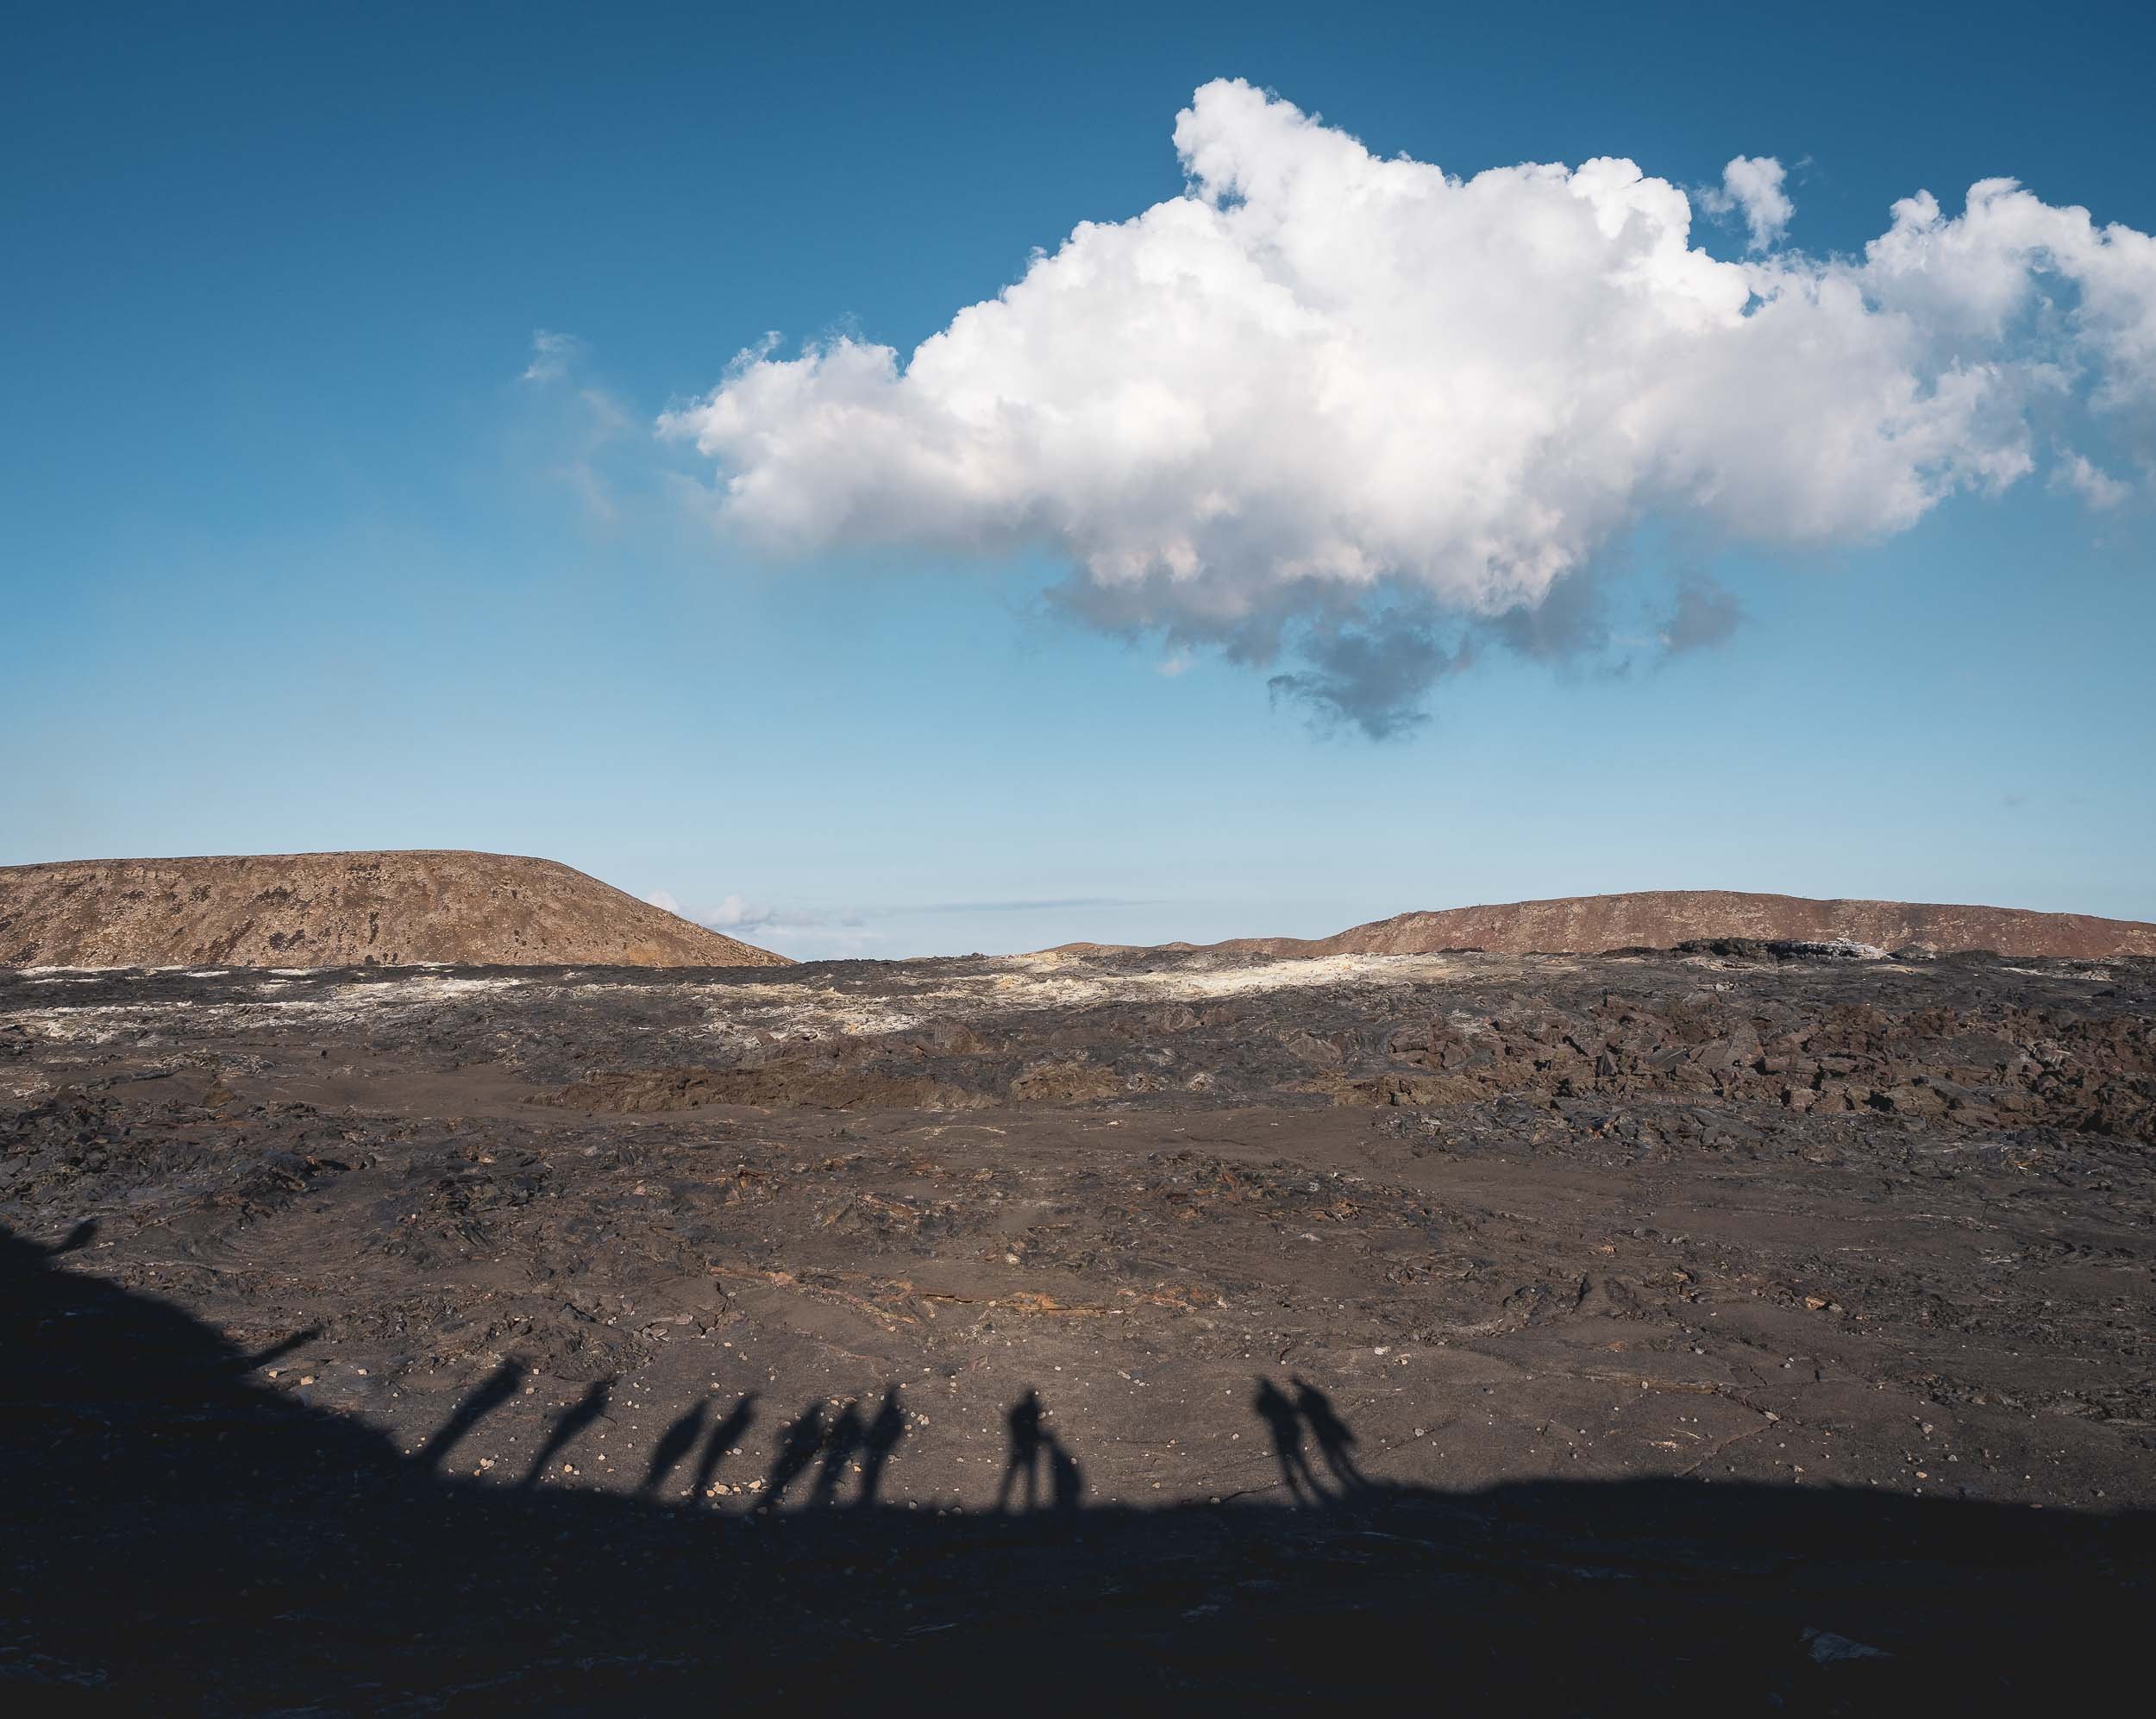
[1661,919]
[1754,1324]
[330,910]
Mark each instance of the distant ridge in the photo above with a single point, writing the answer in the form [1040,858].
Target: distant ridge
[342,909]
[1659,918]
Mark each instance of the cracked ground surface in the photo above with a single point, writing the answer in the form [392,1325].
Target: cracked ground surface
[764,1242]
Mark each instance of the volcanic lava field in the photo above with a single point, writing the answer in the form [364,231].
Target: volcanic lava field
[1764,1325]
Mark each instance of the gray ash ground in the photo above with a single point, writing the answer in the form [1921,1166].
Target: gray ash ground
[1165,1305]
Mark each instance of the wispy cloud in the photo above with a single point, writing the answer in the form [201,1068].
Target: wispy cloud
[820,933]
[1705,615]
[551,355]
[826,933]
[2077,474]
[738,913]
[1046,904]
[585,429]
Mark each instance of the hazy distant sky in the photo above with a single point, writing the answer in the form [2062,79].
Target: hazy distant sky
[375,379]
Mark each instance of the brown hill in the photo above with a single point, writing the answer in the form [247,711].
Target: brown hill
[335,910]
[1659,918]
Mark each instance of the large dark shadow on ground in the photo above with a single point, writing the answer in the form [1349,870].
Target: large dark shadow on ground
[180,1538]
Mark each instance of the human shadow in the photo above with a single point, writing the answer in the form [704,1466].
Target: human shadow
[1039,1472]
[277,1350]
[1283,1423]
[567,1426]
[1336,1443]
[1066,1480]
[798,1446]
[675,1443]
[504,1382]
[842,1441]
[720,1443]
[1022,1465]
[878,1444]
[1293,1424]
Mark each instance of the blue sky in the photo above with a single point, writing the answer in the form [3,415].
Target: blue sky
[308,547]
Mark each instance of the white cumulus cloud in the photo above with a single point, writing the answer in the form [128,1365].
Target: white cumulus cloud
[1367,412]
[1752,185]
